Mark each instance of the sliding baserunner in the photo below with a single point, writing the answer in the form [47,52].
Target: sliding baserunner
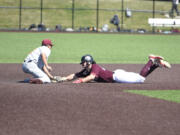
[94,72]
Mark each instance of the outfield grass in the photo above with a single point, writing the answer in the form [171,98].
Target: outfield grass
[170,95]
[106,48]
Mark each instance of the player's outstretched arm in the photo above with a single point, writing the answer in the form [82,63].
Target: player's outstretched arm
[86,79]
[47,72]
[70,77]
[60,79]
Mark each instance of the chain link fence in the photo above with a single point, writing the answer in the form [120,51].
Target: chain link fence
[83,15]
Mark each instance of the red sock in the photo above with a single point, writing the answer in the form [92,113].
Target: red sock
[148,68]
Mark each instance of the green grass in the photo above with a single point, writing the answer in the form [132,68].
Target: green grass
[106,48]
[170,95]
[82,18]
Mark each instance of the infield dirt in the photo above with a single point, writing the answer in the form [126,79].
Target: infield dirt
[89,108]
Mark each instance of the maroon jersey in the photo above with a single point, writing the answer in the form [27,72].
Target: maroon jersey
[102,75]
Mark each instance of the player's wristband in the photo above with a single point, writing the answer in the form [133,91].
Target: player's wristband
[80,80]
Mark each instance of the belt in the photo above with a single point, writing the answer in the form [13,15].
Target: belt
[28,61]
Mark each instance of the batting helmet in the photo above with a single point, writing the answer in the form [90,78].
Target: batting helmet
[87,58]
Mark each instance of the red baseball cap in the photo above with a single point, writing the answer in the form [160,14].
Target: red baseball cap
[47,42]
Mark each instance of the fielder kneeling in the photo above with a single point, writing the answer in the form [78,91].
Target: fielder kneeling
[36,64]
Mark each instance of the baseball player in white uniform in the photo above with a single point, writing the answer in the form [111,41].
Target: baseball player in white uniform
[36,64]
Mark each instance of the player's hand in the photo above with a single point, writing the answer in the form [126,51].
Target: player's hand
[78,81]
[49,68]
[58,79]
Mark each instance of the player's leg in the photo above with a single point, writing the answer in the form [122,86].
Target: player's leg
[148,68]
[153,63]
[172,11]
[37,73]
[176,9]
[122,76]
[25,68]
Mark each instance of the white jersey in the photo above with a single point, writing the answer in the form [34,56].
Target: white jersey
[177,2]
[35,55]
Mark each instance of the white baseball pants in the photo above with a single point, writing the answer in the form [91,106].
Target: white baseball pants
[122,76]
[33,69]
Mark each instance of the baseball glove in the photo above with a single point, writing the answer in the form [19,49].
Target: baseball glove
[58,79]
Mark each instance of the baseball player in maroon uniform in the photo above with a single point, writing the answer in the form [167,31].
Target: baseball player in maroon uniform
[94,72]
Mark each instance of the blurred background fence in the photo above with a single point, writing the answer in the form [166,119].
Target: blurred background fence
[82,15]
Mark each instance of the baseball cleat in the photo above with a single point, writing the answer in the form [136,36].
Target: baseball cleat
[159,61]
[36,81]
[155,57]
[164,63]
[27,80]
